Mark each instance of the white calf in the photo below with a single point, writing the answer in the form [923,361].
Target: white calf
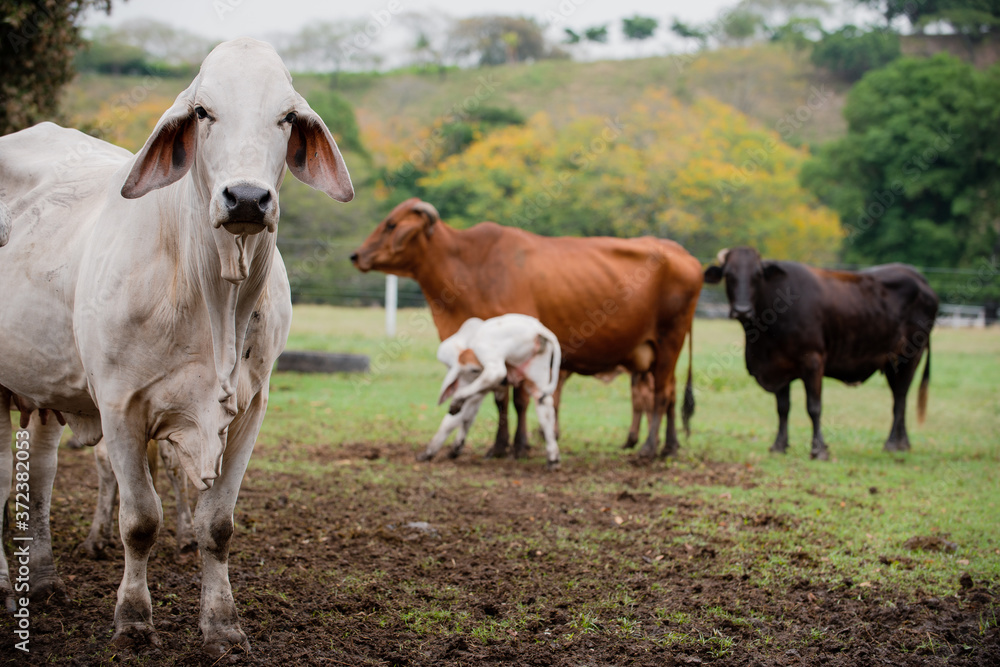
[480,357]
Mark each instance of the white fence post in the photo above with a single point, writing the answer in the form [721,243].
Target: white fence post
[391,297]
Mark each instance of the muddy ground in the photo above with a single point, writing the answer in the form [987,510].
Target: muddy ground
[328,570]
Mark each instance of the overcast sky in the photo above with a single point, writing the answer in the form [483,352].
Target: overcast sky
[225,19]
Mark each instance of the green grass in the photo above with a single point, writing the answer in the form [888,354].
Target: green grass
[848,517]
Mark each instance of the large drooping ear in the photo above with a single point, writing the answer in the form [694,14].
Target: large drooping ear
[170,150]
[771,269]
[713,275]
[450,383]
[430,214]
[313,156]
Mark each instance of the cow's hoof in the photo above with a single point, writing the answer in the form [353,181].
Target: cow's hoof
[631,441]
[779,448]
[135,636]
[897,445]
[643,458]
[10,600]
[553,465]
[187,546]
[521,448]
[424,456]
[820,455]
[230,641]
[49,589]
[496,452]
[94,549]
[455,451]
[187,551]
[670,449]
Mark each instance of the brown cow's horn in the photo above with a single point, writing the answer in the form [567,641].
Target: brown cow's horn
[424,207]
[721,257]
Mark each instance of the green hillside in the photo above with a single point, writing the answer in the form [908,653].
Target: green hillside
[775,86]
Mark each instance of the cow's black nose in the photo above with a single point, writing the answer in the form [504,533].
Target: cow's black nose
[247,203]
[354,256]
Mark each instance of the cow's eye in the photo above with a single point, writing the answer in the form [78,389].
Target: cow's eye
[290,118]
[200,111]
[389,226]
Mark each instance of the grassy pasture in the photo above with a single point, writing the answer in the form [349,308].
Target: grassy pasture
[349,552]
[861,505]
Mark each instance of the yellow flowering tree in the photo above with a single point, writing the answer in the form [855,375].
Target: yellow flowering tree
[702,174]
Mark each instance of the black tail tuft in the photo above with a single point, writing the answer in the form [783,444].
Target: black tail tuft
[924,381]
[688,410]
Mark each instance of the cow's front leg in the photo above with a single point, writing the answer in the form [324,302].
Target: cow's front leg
[639,400]
[783,396]
[521,401]
[213,520]
[502,440]
[450,422]
[467,417]
[139,517]
[814,406]
[44,448]
[100,536]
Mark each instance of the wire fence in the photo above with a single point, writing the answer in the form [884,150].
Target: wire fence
[336,282]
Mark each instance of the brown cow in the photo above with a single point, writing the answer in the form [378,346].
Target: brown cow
[610,302]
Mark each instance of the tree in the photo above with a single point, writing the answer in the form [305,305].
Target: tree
[851,51]
[969,17]
[740,25]
[496,40]
[572,37]
[597,33]
[687,31]
[38,41]
[917,177]
[430,31]
[703,175]
[639,28]
[328,47]
[799,33]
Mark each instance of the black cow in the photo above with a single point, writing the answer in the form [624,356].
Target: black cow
[806,323]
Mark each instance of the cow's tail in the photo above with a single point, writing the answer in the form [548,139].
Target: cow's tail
[924,381]
[555,360]
[687,411]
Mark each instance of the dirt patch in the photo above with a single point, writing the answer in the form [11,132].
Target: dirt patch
[380,561]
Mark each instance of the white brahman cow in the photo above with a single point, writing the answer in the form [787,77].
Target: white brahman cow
[480,356]
[136,290]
